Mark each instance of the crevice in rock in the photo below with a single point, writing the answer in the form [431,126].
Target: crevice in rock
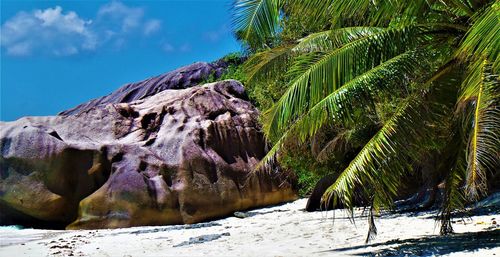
[117,157]
[150,141]
[54,134]
[147,120]
[105,165]
[130,96]
[215,114]
[142,166]
[127,112]
[167,173]
[152,123]
[151,187]
[5,145]
[171,110]
[202,138]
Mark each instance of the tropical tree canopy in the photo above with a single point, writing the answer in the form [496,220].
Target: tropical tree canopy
[437,61]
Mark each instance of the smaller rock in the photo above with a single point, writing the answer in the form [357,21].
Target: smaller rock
[202,239]
[241,215]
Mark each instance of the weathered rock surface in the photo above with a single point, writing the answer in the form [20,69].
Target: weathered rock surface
[181,78]
[178,156]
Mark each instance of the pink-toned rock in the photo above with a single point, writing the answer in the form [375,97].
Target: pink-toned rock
[179,156]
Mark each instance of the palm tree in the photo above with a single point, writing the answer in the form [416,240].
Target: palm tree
[437,60]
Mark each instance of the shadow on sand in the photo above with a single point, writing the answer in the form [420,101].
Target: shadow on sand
[431,245]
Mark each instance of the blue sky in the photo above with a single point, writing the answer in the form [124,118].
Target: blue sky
[57,54]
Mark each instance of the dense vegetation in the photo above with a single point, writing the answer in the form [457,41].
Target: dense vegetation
[377,91]
[297,158]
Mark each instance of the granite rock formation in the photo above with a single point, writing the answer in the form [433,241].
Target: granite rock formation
[171,156]
[181,78]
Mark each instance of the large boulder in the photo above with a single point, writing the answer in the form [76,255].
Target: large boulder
[181,78]
[178,156]
[315,203]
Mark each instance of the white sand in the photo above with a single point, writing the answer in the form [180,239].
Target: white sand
[283,230]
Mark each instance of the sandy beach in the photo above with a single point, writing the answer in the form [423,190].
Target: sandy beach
[284,230]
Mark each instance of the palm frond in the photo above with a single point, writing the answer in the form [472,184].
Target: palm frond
[255,21]
[382,162]
[368,50]
[483,38]
[462,5]
[481,89]
[266,64]
[378,13]
[319,74]
[384,159]
[453,198]
[310,10]
[338,144]
[339,105]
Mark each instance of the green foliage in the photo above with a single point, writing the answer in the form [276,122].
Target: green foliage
[307,171]
[234,72]
[262,95]
[255,21]
[423,73]
[234,69]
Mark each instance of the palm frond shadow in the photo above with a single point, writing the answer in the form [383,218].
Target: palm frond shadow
[431,245]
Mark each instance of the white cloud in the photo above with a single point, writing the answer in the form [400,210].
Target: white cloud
[19,49]
[152,26]
[186,47]
[50,29]
[54,31]
[69,22]
[215,35]
[118,14]
[167,47]
[211,36]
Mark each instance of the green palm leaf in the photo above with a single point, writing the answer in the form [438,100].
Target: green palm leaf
[319,74]
[312,11]
[255,21]
[483,38]
[453,197]
[382,162]
[339,105]
[481,89]
[264,65]
[384,159]
[414,49]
